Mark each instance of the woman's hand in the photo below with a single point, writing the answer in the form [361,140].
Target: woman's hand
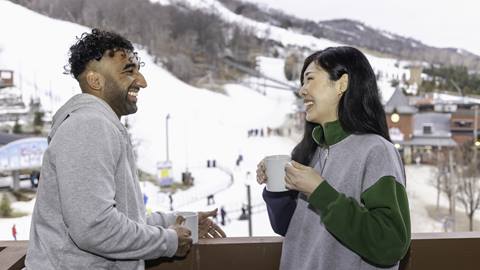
[261,174]
[207,228]
[302,178]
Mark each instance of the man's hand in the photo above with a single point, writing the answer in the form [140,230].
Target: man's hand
[184,237]
[207,228]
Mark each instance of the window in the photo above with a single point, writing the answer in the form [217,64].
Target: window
[462,123]
[5,75]
[427,128]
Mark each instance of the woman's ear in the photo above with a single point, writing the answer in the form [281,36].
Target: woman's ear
[342,84]
[95,80]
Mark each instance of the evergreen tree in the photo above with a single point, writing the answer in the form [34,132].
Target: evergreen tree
[17,128]
[5,207]
[38,122]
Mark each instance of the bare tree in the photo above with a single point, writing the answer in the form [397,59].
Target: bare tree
[182,66]
[445,180]
[441,175]
[293,66]
[169,32]
[468,181]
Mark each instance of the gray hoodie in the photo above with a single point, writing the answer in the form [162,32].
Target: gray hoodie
[89,212]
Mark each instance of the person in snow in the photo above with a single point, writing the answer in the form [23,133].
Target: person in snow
[346,207]
[14,232]
[223,215]
[89,212]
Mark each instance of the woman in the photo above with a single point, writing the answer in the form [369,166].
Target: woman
[348,208]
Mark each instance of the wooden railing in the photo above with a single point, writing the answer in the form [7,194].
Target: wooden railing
[12,254]
[428,251]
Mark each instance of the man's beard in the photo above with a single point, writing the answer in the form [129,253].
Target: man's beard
[118,98]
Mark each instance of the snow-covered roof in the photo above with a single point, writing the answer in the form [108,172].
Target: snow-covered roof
[449,98]
[439,124]
[399,103]
[433,141]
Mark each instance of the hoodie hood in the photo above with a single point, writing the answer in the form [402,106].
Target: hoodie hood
[80,102]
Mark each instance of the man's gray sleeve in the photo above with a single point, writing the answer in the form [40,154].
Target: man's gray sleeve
[161,219]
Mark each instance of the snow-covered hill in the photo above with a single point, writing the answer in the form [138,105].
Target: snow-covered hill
[389,67]
[39,52]
[427,21]
[203,125]
[200,120]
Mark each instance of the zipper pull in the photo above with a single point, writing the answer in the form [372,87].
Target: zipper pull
[325,162]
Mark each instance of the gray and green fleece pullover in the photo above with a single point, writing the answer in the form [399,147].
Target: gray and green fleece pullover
[358,218]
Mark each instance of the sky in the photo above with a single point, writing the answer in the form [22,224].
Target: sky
[439,23]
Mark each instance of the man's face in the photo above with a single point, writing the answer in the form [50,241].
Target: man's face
[123,81]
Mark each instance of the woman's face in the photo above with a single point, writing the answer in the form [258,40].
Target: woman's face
[321,95]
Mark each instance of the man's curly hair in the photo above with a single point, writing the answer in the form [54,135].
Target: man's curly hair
[92,46]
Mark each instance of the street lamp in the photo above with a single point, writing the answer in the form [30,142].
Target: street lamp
[395,117]
[475,119]
[166,130]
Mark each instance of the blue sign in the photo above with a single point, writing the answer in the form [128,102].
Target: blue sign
[23,154]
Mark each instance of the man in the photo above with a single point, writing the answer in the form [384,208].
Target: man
[89,212]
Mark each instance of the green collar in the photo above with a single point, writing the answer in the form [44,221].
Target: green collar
[330,135]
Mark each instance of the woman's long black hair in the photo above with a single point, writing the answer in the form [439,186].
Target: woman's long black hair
[360,110]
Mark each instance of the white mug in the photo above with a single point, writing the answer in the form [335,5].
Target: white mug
[191,222]
[275,170]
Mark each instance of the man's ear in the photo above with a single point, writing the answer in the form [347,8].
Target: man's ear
[342,84]
[95,80]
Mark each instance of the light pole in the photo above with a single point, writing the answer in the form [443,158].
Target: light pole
[453,182]
[475,142]
[249,210]
[166,135]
